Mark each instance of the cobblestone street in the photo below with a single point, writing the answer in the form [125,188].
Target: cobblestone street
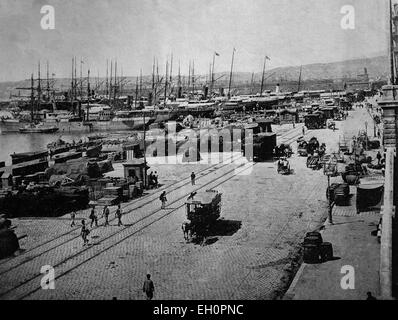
[274,213]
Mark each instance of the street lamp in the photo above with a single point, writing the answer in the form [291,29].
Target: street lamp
[329,170]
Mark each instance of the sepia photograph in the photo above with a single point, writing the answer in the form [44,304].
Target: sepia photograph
[206,151]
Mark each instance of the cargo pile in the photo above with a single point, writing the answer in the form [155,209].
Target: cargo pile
[315,250]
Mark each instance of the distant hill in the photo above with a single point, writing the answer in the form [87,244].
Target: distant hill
[377,68]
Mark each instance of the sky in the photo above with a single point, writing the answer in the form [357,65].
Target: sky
[290,32]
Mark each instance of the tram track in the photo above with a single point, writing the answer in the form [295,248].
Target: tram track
[155,195]
[131,209]
[225,177]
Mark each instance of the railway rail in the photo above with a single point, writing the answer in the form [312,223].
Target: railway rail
[30,283]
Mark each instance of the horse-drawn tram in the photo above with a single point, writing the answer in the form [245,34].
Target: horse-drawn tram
[203,211]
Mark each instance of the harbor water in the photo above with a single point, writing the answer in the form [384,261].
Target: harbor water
[17,142]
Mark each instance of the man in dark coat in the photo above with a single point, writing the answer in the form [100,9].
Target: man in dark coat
[378,156]
[193,176]
[148,287]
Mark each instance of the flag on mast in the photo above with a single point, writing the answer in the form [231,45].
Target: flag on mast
[267,58]
[216,53]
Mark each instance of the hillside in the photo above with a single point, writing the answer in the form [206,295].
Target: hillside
[377,68]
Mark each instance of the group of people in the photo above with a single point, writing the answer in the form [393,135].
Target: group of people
[283,164]
[153,180]
[94,221]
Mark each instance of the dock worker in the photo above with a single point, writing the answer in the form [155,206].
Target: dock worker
[84,232]
[163,199]
[72,217]
[119,214]
[93,218]
[193,176]
[106,215]
[151,179]
[148,287]
[378,156]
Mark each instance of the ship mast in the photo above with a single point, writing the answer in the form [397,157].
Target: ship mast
[179,80]
[230,75]
[38,89]
[32,98]
[114,92]
[106,81]
[299,82]
[171,74]
[71,88]
[189,75]
[88,95]
[140,83]
[391,46]
[48,83]
[153,83]
[136,92]
[75,86]
[262,78]
[251,84]
[157,81]
[110,83]
[212,75]
[81,79]
[165,84]
[121,82]
[193,79]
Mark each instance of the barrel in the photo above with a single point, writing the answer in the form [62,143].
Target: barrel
[310,253]
[352,179]
[341,194]
[315,239]
[314,233]
[326,251]
[369,196]
[346,188]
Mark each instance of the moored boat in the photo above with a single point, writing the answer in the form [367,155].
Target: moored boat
[28,156]
[38,129]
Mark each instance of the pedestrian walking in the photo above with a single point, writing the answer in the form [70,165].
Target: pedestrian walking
[378,133]
[84,233]
[119,215]
[193,176]
[163,199]
[148,287]
[378,156]
[303,130]
[72,217]
[106,215]
[93,217]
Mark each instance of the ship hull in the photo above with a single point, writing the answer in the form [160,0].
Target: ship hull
[92,126]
